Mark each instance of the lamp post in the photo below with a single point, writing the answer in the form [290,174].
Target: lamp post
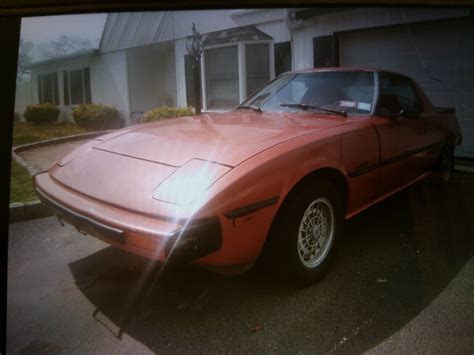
[194,48]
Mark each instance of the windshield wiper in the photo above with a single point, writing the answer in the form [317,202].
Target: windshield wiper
[251,107]
[314,107]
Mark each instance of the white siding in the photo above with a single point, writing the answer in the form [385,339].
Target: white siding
[256,16]
[23,97]
[180,51]
[277,30]
[152,79]
[109,82]
[357,19]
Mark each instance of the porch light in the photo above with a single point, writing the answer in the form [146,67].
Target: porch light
[195,48]
[194,43]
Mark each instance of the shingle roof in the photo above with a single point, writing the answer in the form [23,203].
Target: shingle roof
[245,33]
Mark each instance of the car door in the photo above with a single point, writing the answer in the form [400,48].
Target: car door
[360,157]
[424,137]
[420,136]
[397,133]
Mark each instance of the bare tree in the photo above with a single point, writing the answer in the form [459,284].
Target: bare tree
[24,59]
[65,44]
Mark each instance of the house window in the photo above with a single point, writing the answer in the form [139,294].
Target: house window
[77,88]
[323,52]
[222,77]
[48,88]
[282,57]
[258,66]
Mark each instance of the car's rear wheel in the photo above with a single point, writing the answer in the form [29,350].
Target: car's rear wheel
[445,164]
[302,240]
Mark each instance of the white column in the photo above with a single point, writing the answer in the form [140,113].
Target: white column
[179,52]
[203,83]
[242,72]
[271,47]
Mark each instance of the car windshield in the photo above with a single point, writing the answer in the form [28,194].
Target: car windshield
[350,92]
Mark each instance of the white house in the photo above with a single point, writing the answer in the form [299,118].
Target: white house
[142,60]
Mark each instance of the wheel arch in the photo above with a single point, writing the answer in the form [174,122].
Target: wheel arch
[451,141]
[329,173]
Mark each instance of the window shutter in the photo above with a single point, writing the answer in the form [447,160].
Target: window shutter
[87,84]
[66,87]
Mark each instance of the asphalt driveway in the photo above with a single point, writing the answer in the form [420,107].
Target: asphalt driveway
[401,265]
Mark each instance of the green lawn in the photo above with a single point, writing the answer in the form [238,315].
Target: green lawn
[24,133]
[21,187]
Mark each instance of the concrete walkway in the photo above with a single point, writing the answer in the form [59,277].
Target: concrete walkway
[41,158]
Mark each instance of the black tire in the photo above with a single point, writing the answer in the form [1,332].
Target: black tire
[282,253]
[445,165]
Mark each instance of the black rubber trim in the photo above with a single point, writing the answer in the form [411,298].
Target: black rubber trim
[194,241]
[369,168]
[81,222]
[249,209]
[364,169]
[410,153]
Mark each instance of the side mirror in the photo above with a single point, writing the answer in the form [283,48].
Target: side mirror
[408,113]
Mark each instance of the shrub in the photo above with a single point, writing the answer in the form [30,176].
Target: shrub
[17,117]
[96,116]
[164,112]
[41,113]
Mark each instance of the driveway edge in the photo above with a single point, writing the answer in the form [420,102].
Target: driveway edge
[23,211]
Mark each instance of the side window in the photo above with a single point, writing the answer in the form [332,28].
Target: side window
[397,93]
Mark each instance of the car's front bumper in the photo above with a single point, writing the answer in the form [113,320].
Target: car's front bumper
[154,238]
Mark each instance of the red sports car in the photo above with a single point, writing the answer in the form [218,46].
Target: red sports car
[275,178]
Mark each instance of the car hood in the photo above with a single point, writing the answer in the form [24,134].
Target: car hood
[127,167]
[226,138]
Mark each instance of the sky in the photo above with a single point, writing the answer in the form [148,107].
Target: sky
[43,29]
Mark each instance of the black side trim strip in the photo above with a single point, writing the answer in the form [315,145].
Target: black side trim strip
[194,241]
[246,210]
[369,168]
[409,153]
[364,170]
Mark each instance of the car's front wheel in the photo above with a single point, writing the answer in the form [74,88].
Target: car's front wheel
[316,232]
[303,238]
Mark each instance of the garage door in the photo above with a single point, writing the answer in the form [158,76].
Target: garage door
[438,55]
